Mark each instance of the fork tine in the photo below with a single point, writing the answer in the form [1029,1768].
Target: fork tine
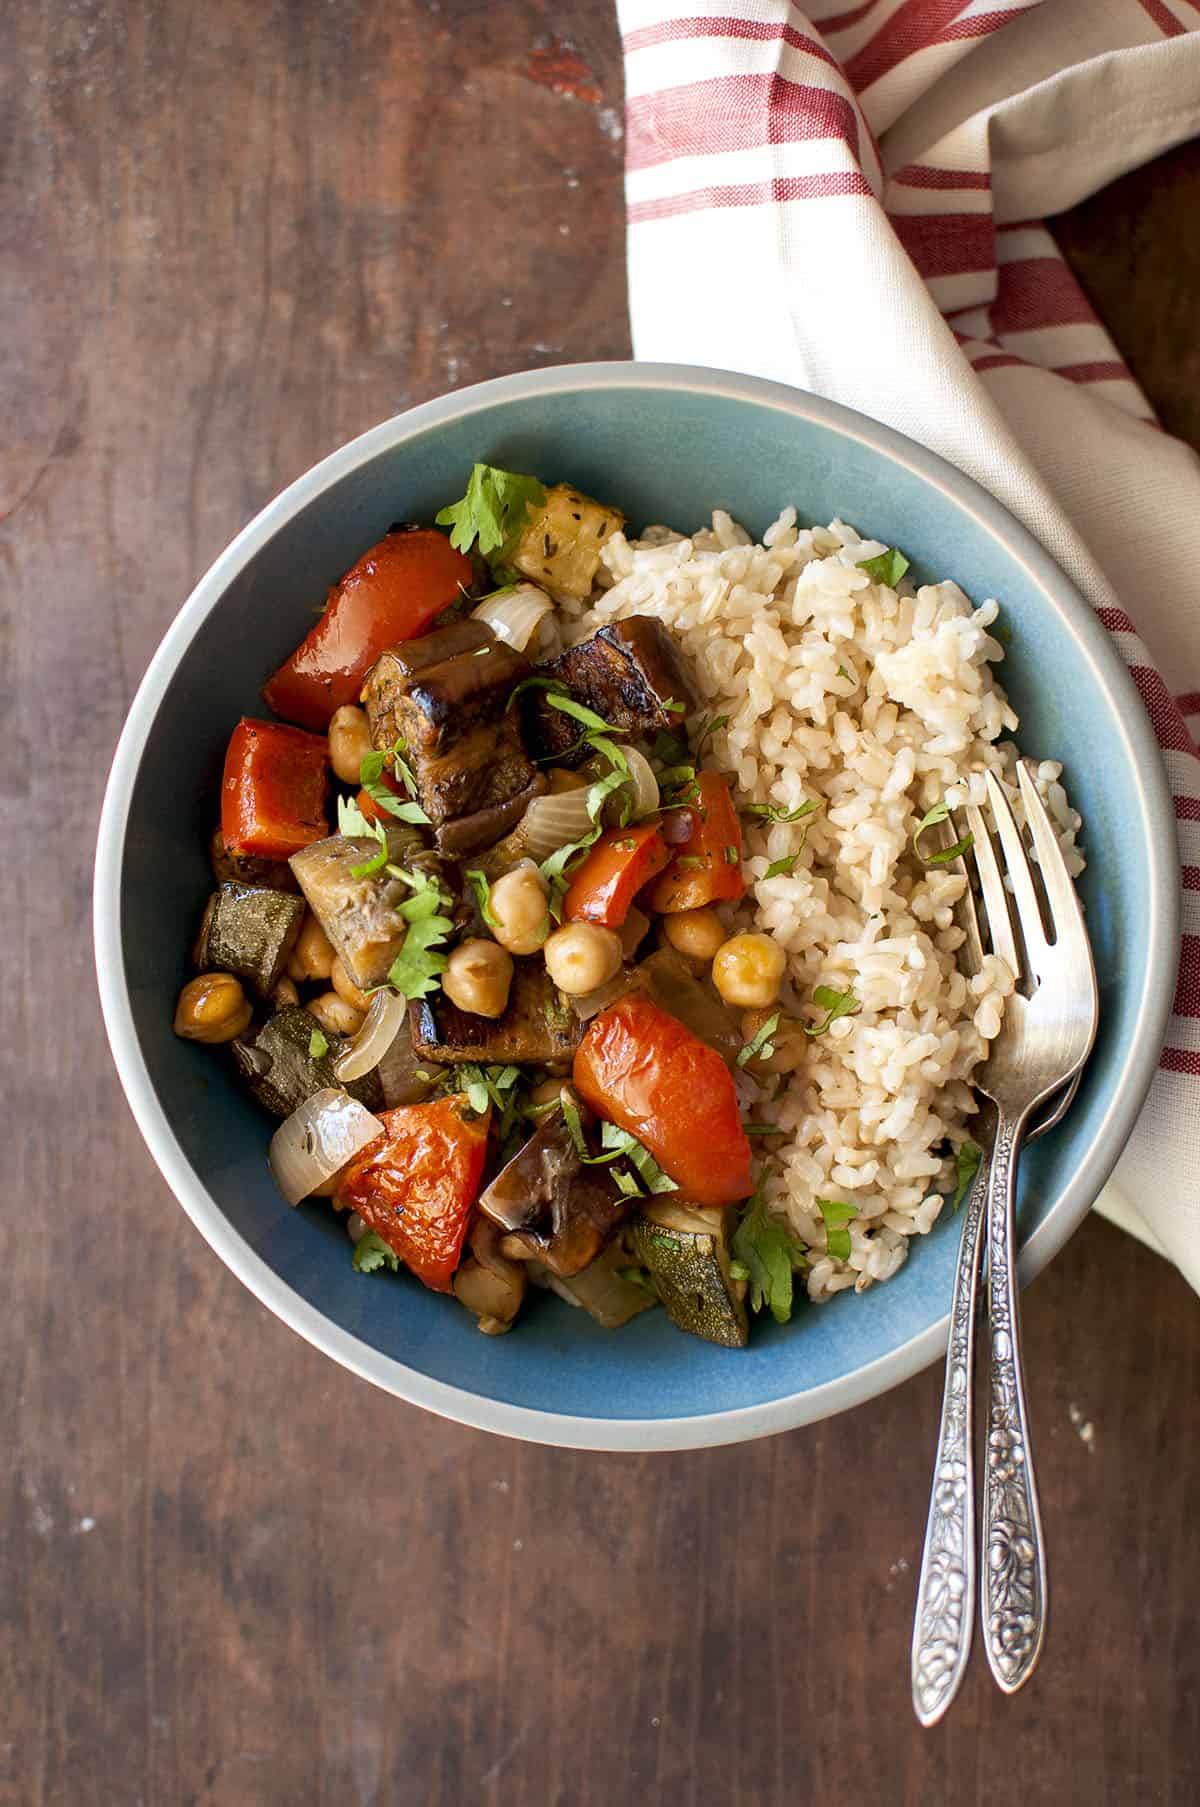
[1025,897]
[1066,915]
[971,953]
[995,898]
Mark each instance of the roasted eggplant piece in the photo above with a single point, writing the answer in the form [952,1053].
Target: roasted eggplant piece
[390,677]
[602,1288]
[250,931]
[359,915]
[627,672]
[246,869]
[554,1209]
[474,777]
[280,1070]
[488,1283]
[538,1028]
[561,546]
[686,1249]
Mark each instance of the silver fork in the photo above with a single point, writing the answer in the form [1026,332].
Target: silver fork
[1031,1075]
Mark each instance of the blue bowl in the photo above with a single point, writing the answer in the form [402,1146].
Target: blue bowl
[669,444]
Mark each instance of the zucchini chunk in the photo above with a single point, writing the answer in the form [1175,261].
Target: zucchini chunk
[560,548]
[250,931]
[686,1248]
[280,1070]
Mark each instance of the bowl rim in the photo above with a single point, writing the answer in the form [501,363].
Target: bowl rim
[708,1429]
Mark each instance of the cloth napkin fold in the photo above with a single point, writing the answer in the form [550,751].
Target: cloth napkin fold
[851,200]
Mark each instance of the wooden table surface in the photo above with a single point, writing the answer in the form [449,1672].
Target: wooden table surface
[234,236]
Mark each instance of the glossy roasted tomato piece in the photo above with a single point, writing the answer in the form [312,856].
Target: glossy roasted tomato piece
[621,862]
[273,790]
[416,1188]
[643,1070]
[392,594]
[705,839]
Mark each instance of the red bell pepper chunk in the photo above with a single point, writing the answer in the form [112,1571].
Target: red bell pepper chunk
[647,1073]
[416,1188]
[621,862]
[391,594]
[705,837]
[273,790]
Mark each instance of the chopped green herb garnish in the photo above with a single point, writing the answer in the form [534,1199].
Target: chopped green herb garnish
[762,1043]
[885,568]
[837,1237]
[379,858]
[370,774]
[834,1004]
[771,812]
[494,510]
[762,1129]
[674,708]
[738,1270]
[574,1122]
[351,821]
[318,1047]
[486,1086]
[638,1276]
[670,749]
[483,892]
[625,1183]
[732,856]
[778,868]
[371,1253]
[771,1255]
[417,968]
[937,814]
[707,730]
[579,712]
[689,862]
[967,1157]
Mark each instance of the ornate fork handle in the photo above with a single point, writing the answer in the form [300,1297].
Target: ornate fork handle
[946,1590]
[1014,1586]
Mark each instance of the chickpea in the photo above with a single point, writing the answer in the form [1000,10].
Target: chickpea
[520,911]
[335,1015]
[788,1040]
[345,987]
[581,957]
[559,779]
[285,994]
[212,1008]
[313,955]
[349,742]
[544,1097]
[477,977]
[747,970]
[696,933]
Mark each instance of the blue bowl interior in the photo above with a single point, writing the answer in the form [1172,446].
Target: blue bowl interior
[663,455]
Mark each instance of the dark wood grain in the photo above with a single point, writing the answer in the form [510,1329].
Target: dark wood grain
[233,236]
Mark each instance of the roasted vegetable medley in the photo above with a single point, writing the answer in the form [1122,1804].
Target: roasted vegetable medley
[472,936]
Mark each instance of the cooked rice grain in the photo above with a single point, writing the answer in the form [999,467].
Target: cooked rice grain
[878,703]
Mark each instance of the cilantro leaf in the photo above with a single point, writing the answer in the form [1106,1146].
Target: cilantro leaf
[371,1253]
[494,510]
[762,1043]
[478,881]
[837,1237]
[379,858]
[770,1254]
[574,1122]
[835,1004]
[967,1157]
[778,868]
[937,814]
[370,776]
[417,968]
[351,821]
[885,568]
[318,1047]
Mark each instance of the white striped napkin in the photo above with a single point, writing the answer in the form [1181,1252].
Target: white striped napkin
[851,200]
